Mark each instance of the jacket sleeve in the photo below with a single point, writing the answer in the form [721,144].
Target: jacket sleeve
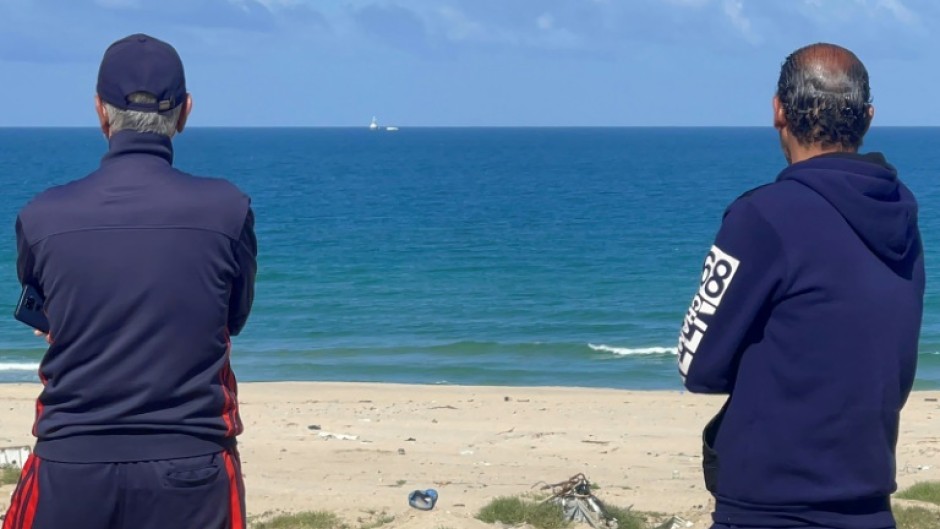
[243,287]
[742,272]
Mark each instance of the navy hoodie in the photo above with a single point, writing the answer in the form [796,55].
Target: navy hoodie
[146,272]
[808,316]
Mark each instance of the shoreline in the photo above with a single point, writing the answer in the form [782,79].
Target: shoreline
[678,390]
[359,448]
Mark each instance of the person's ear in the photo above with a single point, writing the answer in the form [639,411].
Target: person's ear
[102,117]
[869,117]
[780,115]
[184,114]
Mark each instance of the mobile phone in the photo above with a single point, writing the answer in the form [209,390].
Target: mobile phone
[30,309]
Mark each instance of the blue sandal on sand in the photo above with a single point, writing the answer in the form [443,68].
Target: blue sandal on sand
[423,499]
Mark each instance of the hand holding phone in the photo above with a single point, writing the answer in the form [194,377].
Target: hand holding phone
[30,309]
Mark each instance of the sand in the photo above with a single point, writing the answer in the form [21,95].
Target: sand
[359,449]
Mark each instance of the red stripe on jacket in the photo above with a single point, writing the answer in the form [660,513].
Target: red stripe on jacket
[233,422]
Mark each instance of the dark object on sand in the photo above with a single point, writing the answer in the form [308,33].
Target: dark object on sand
[423,500]
[579,504]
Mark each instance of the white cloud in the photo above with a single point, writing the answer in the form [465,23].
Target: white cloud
[545,32]
[545,21]
[270,5]
[734,10]
[118,4]
[243,4]
[459,26]
[688,3]
[899,10]
[870,8]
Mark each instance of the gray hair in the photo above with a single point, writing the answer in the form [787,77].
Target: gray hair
[824,91]
[163,123]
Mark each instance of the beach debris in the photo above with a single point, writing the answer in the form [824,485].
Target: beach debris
[15,456]
[506,399]
[448,407]
[338,436]
[314,427]
[579,505]
[930,399]
[675,522]
[423,500]
[401,451]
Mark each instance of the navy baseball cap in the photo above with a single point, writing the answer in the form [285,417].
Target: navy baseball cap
[141,63]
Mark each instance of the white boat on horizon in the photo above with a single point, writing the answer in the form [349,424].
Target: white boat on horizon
[375,126]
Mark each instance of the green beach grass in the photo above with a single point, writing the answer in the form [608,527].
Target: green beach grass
[926,491]
[517,511]
[303,520]
[320,520]
[917,517]
[9,475]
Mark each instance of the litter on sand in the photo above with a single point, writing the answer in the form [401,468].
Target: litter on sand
[423,500]
[579,505]
[338,436]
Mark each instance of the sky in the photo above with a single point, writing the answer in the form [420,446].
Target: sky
[469,62]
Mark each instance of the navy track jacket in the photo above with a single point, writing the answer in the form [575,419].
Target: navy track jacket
[146,272]
[808,316]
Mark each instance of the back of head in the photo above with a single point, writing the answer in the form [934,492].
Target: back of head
[142,85]
[824,92]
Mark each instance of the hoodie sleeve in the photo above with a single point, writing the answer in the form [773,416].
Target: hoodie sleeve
[741,273]
[25,261]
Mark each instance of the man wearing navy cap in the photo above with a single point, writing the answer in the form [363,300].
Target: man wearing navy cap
[146,272]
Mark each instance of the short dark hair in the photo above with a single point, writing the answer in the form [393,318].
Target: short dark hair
[824,91]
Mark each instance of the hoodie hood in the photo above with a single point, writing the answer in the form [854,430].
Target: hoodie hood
[866,191]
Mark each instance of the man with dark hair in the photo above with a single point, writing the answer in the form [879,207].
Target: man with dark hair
[146,272]
[808,317]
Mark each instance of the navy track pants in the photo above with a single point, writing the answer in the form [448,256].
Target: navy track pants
[203,492]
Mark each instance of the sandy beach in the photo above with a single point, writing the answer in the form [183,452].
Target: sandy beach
[359,449]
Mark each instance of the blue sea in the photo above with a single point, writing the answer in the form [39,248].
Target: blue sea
[494,256]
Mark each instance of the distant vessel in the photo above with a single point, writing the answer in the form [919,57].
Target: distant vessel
[375,126]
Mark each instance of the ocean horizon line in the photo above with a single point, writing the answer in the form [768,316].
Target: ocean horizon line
[456,127]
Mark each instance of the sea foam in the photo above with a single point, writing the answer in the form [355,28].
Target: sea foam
[18,366]
[627,351]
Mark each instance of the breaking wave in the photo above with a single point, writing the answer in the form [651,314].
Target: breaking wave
[627,351]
